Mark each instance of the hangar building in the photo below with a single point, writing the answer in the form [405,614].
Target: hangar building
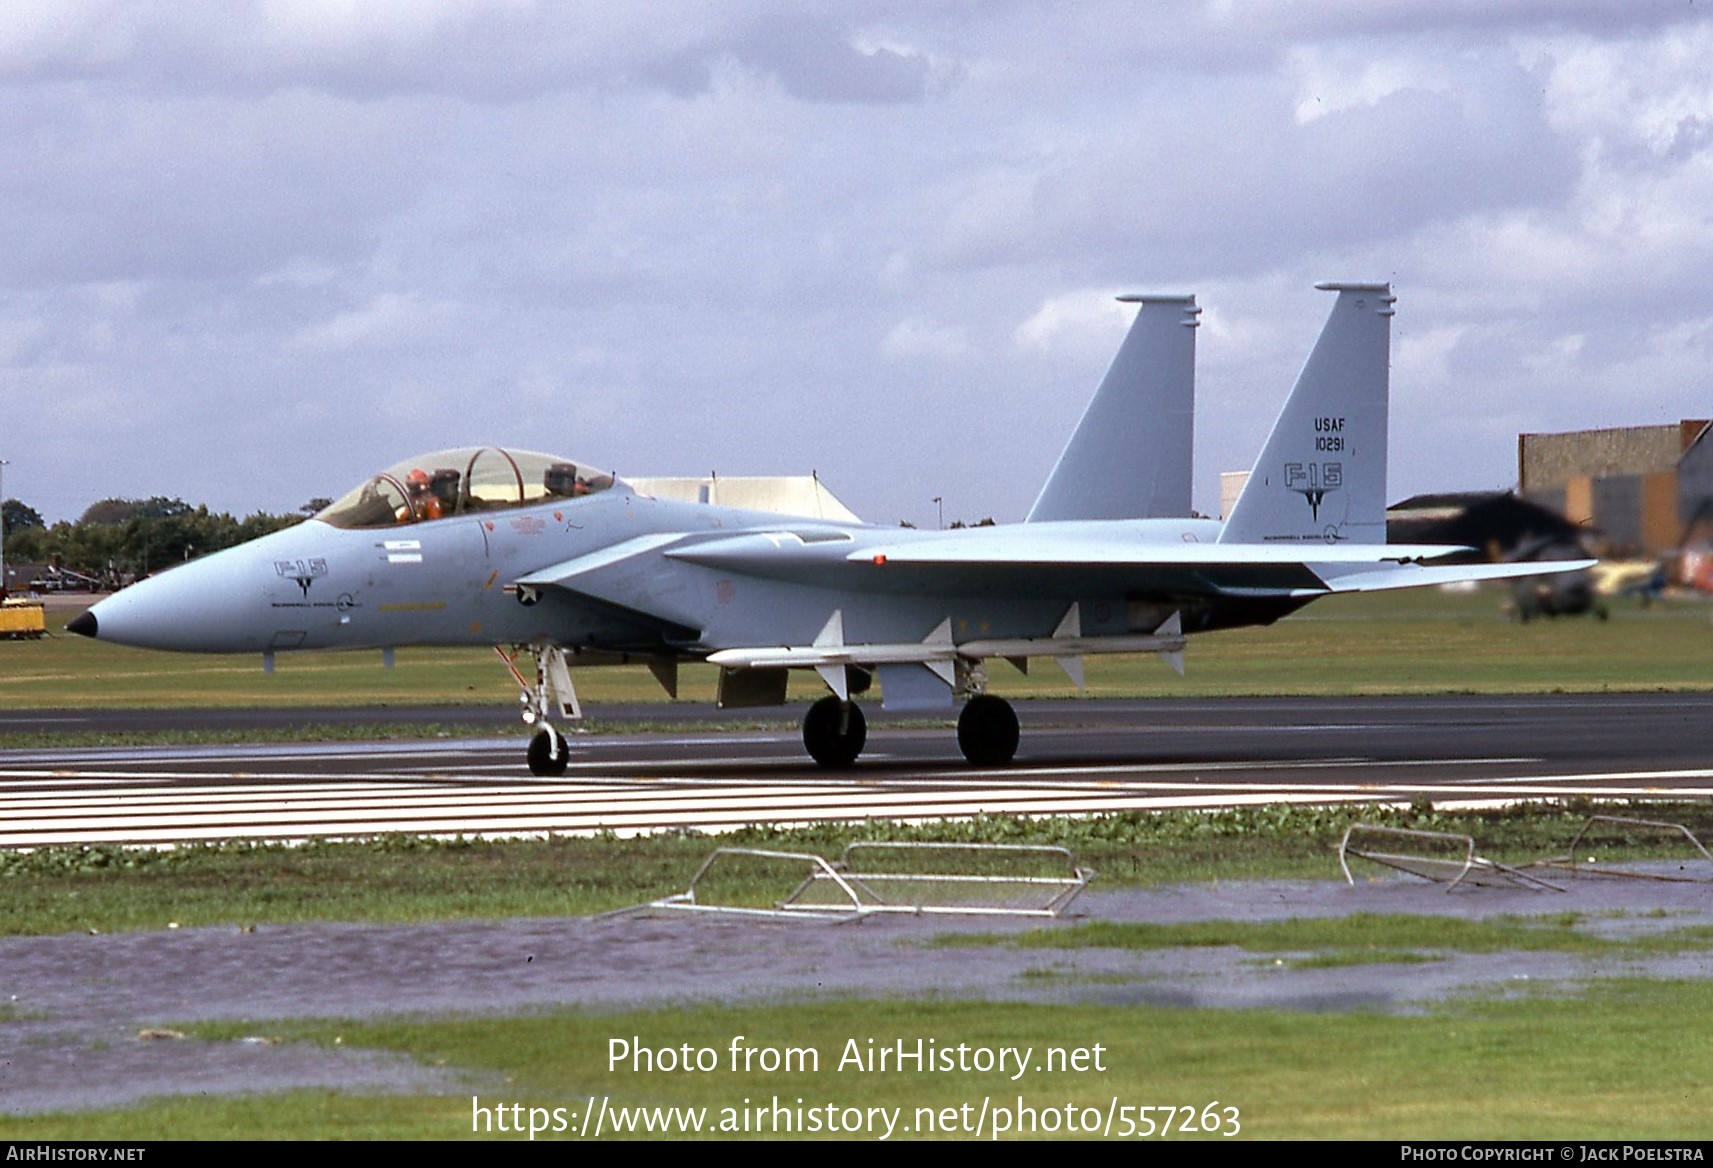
[1643,487]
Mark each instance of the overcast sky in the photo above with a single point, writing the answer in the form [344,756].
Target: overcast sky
[251,252]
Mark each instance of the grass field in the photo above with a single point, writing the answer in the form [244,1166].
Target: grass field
[1616,1060]
[400,879]
[1610,1063]
[1425,641]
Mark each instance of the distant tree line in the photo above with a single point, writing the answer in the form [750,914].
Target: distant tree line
[130,538]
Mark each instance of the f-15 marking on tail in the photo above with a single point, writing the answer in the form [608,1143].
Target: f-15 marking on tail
[544,553]
[1314,481]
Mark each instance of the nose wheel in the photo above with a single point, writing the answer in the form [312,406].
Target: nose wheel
[549,753]
[834,732]
[987,731]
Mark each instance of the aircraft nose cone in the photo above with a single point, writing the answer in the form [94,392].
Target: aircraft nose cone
[84,624]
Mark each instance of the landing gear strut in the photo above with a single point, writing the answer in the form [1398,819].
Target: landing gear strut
[834,732]
[987,730]
[551,698]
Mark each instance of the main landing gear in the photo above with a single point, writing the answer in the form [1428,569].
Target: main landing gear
[987,731]
[835,731]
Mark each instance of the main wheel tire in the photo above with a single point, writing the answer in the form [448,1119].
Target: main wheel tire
[549,753]
[834,732]
[987,731]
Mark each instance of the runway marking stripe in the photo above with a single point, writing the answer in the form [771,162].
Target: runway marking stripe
[634,820]
[183,801]
[584,825]
[292,808]
[741,809]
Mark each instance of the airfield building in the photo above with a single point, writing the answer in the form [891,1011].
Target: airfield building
[1647,489]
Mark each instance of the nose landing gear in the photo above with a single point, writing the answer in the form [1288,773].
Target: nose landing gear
[549,753]
[551,698]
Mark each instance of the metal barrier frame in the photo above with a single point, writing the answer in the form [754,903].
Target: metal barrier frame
[687,900]
[857,894]
[1476,870]
[1568,861]
[1068,887]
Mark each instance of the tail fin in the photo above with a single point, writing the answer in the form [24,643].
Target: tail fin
[1321,477]
[1130,455]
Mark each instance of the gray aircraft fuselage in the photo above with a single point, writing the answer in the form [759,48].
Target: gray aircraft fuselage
[452,581]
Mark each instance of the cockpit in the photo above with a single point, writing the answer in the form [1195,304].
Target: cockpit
[471,480]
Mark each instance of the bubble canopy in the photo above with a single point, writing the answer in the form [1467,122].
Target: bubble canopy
[470,480]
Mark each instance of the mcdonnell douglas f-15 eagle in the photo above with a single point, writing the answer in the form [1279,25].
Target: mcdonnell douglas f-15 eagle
[519,550]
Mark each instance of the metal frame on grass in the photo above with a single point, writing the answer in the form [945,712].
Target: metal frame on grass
[1452,871]
[1567,862]
[854,887]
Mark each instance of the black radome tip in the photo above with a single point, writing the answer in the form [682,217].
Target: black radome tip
[83,624]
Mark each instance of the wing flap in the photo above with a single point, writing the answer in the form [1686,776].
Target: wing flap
[1341,579]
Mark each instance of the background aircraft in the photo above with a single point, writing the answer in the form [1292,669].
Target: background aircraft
[490,546]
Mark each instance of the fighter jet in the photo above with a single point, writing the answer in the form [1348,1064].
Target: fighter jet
[544,553]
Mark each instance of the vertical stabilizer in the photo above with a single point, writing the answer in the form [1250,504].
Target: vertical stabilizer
[1130,455]
[1321,477]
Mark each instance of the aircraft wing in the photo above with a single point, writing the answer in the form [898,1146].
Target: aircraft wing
[1283,569]
[646,575]
[1018,547]
[1417,575]
[626,577]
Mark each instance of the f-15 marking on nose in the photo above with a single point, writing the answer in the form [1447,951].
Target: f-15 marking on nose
[302,571]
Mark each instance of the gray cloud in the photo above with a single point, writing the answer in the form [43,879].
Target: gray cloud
[251,252]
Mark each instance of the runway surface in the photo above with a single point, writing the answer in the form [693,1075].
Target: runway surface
[1077,757]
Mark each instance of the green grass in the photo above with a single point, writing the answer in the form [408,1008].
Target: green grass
[1422,641]
[67,672]
[407,879]
[1616,1061]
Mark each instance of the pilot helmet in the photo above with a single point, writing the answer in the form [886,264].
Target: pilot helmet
[560,479]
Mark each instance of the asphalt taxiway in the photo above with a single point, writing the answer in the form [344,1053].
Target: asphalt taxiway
[1077,757]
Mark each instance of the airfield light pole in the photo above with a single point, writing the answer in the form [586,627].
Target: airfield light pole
[941,504]
[4,591]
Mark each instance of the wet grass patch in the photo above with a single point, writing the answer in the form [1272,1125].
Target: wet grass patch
[1350,957]
[1355,938]
[1618,1060]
